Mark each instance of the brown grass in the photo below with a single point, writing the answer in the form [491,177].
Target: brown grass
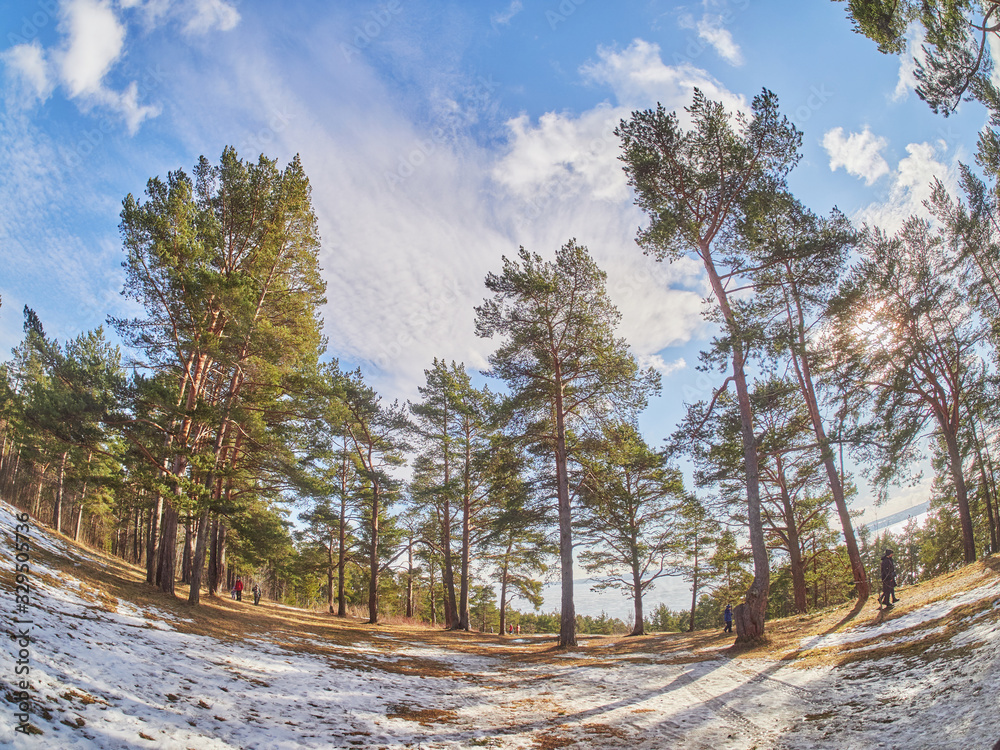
[106,580]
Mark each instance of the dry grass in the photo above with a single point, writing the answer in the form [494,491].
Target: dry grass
[106,580]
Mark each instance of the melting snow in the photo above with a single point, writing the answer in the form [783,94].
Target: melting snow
[129,679]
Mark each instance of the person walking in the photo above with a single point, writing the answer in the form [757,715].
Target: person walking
[256,593]
[239,589]
[728,617]
[888,597]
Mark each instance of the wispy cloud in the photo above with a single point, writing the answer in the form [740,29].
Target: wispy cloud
[503,18]
[639,78]
[659,364]
[27,63]
[858,153]
[711,30]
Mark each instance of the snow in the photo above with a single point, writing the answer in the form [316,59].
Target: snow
[112,679]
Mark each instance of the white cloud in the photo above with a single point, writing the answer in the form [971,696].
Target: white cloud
[503,18]
[661,365]
[206,15]
[94,41]
[907,80]
[565,154]
[711,30]
[858,153]
[27,61]
[639,78]
[911,186]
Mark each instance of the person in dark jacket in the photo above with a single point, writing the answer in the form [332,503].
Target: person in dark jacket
[256,593]
[888,597]
[728,617]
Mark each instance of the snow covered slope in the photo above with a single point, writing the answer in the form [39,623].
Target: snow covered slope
[109,673]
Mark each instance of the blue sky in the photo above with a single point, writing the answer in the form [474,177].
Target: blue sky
[438,136]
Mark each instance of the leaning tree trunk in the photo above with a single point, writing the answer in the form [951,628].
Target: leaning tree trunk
[749,616]
[803,371]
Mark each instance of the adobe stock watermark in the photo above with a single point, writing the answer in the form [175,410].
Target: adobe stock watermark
[562,12]
[816,99]
[370,28]
[32,25]
[475,98]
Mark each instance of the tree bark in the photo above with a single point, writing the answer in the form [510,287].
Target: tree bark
[463,605]
[639,626]
[188,550]
[567,617]
[330,575]
[57,508]
[198,563]
[753,614]
[803,372]
[153,541]
[373,566]
[167,569]
[961,496]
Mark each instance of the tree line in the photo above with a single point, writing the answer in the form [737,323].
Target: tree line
[190,452]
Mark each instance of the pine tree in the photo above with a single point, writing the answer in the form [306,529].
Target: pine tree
[563,364]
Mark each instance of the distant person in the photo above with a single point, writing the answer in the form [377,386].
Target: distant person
[728,617]
[239,589]
[256,593]
[888,597]
[232,592]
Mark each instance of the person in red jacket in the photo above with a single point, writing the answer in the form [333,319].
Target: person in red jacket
[239,589]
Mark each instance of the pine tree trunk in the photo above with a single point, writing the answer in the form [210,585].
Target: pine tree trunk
[639,626]
[409,580]
[213,558]
[448,569]
[794,549]
[330,576]
[342,562]
[78,523]
[187,551]
[803,371]
[503,592]
[57,508]
[198,563]
[153,542]
[694,593]
[749,618]
[373,566]
[567,617]
[166,572]
[463,604]
[961,495]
